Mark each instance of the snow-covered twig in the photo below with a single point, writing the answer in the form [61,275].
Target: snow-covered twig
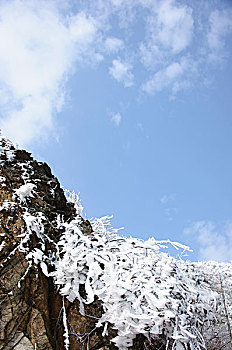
[66,336]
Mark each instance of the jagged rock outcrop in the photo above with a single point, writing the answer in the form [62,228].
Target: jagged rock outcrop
[30,305]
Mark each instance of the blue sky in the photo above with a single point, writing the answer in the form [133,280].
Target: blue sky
[130,104]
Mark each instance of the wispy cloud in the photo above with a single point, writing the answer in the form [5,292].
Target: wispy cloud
[214,244]
[38,47]
[220,27]
[169,32]
[167,198]
[121,71]
[174,77]
[172,25]
[113,44]
[167,48]
[140,126]
[169,211]
[116,119]
[176,33]
[163,78]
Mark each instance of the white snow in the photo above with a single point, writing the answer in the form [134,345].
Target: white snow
[27,171]
[2,179]
[72,197]
[7,205]
[25,191]
[10,155]
[2,245]
[66,338]
[7,148]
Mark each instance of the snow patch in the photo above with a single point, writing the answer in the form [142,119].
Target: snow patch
[2,245]
[6,148]
[7,205]
[25,191]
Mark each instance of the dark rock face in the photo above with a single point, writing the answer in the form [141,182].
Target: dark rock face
[30,306]
[31,309]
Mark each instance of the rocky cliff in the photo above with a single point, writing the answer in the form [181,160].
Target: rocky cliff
[31,307]
[67,283]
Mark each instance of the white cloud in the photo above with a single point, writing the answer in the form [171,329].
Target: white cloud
[113,44]
[151,55]
[164,78]
[174,77]
[220,27]
[140,126]
[169,31]
[175,25]
[170,213]
[167,198]
[176,30]
[213,244]
[120,71]
[116,119]
[117,2]
[38,47]
[82,28]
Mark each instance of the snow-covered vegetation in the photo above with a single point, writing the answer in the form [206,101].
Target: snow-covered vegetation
[142,288]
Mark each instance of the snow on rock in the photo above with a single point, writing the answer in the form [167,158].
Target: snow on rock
[2,179]
[25,191]
[7,205]
[7,149]
[2,245]
[27,171]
